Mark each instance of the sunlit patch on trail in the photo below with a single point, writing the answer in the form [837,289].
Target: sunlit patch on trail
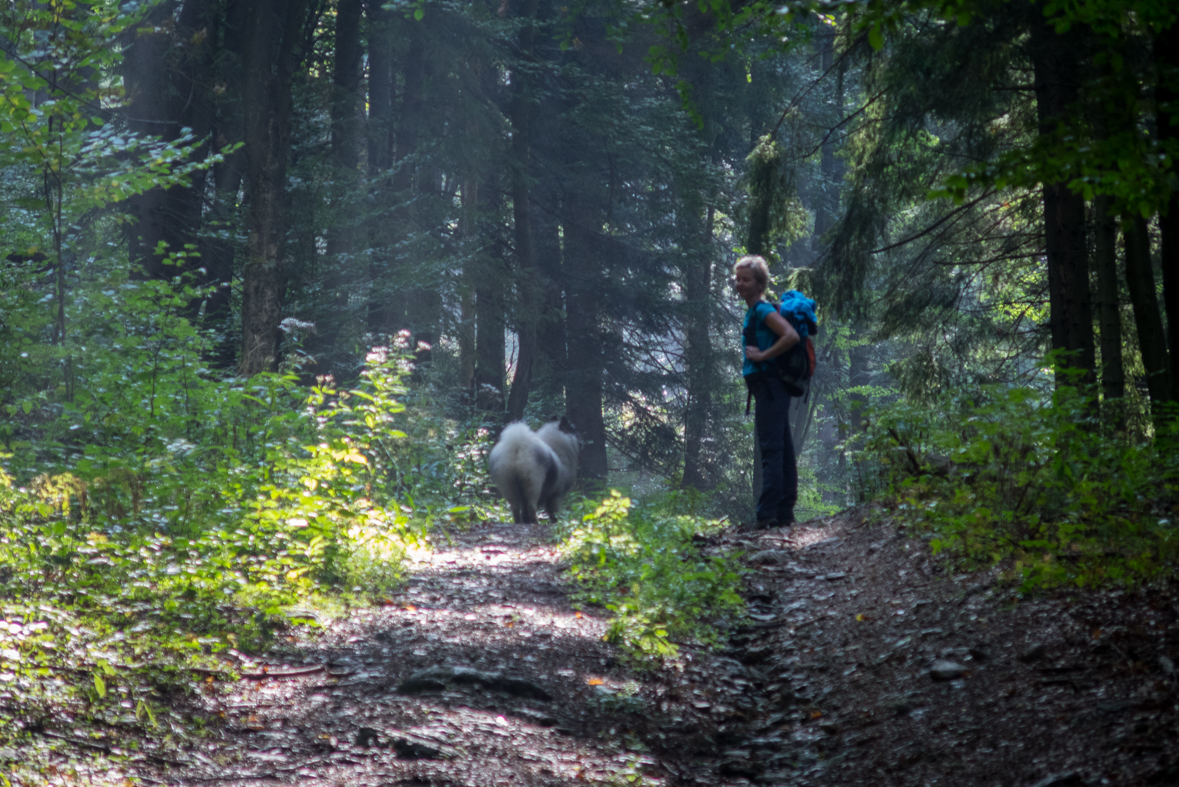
[803,536]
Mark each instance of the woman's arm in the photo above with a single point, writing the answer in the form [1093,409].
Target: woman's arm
[787,338]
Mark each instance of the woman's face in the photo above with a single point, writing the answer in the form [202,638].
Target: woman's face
[745,284]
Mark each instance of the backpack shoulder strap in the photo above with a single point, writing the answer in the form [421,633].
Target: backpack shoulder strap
[750,330]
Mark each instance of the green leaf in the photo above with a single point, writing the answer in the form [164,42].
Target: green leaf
[99,685]
[876,37]
[144,710]
[418,14]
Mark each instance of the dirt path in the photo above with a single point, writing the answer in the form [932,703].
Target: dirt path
[886,668]
[863,664]
[478,673]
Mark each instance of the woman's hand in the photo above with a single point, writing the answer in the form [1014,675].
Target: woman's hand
[754,354]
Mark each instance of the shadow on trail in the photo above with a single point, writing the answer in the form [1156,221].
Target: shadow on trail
[477,672]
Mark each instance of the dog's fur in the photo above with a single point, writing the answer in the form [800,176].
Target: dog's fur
[535,469]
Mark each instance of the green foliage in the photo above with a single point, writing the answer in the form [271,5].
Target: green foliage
[1127,165]
[102,625]
[72,162]
[774,209]
[644,566]
[182,513]
[1033,481]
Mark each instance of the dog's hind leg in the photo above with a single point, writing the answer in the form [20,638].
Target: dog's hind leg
[553,506]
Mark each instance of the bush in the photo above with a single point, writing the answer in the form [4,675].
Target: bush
[644,566]
[124,573]
[1035,479]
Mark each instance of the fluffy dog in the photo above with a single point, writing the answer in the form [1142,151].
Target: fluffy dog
[535,469]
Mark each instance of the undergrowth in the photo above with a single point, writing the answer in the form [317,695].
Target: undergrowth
[181,532]
[644,565]
[1039,483]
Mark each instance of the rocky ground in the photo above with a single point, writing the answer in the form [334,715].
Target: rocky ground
[862,664]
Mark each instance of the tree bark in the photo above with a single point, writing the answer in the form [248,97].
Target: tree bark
[1166,58]
[698,356]
[269,56]
[345,106]
[226,31]
[380,145]
[527,286]
[380,87]
[1056,62]
[551,338]
[584,380]
[217,251]
[1109,318]
[1145,302]
[166,73]
[827,202]
[490,357]
[388,311]
[466,326]
[346,87]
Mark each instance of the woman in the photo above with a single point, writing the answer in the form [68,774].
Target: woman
[767,335]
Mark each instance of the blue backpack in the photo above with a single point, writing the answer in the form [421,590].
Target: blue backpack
[796,366]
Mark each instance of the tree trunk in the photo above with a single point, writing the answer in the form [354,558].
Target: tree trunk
[527,287]
[551,339]
[827,198]
[388,311]
[217,251]
[380,143]
[1145,302]
[1109,319]
[269,55]
[345,106]
[1166,58]
[698,356]
[1056,61]
[346,88]
[380,87]
[489,338]
[858,376]
[466,327]
[584,379]
[166,73]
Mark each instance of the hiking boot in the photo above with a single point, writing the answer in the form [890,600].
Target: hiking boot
[765,524]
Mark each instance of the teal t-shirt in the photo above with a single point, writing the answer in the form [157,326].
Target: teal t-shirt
[765,337]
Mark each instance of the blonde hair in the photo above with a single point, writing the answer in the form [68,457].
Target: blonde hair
[757,265]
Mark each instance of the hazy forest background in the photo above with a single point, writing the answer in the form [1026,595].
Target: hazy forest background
[275,273]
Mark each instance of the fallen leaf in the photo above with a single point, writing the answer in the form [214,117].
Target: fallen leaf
[595,681]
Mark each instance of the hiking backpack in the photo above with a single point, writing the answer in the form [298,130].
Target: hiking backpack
[796,366]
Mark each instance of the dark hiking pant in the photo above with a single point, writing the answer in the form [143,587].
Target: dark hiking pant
[779,473]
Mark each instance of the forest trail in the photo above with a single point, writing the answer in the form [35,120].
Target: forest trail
[477,672]
[863,665]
